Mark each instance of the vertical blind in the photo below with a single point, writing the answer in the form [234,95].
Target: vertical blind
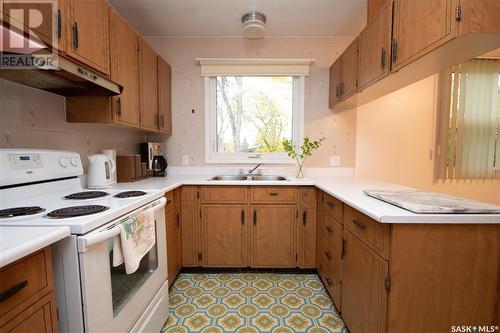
[469,146]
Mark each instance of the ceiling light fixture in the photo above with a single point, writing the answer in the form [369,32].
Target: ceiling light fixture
[253,25]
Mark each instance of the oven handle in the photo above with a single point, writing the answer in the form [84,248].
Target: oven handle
[113,229]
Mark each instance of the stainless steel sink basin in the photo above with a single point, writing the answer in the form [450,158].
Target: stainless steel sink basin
[269,178]
[237,177]
[249,177]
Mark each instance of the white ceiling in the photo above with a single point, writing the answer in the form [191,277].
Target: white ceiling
[222,17]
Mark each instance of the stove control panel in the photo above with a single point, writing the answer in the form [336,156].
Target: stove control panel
[18,166]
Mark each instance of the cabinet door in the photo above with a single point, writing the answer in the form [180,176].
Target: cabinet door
[124,69]
[419,27]
[349,85]
[375,48]
[190,230]
[374,7]
[90,34]
[335,76]
[62,24]
[307,237]
[173,244]
[273,236]
[164,96]
[222,235]
[364,297]
[148,86]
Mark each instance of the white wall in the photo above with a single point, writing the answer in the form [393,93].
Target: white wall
[187,92]
[31,118]
[394,141]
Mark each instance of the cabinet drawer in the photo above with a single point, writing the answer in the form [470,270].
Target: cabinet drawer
[332,205]
[371,232]
[224,194]
[274,194]
[308,195]
[333,285]
[188,193]
[25,279]
[170,200]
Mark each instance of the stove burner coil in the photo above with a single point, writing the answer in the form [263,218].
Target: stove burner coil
[20,211]
[130,194]
[86,195]
[76,211]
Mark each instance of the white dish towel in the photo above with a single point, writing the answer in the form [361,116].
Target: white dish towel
[137,237]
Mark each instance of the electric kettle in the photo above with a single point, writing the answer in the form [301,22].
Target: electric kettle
[101,171]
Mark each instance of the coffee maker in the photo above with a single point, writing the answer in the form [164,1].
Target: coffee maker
[152,155]
[159,166]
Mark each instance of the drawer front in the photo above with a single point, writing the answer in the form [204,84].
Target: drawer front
[332,206]
[188,193]
[170,200]
[30,277]
[308,195]
[274,194]
[371,232]
[224,194]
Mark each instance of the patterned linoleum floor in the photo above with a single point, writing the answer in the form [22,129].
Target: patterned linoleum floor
[251,302]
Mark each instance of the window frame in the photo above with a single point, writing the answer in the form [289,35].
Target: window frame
[212,156]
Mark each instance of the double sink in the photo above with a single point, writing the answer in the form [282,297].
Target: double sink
[249,177]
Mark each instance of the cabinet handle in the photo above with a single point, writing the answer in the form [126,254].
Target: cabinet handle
[328,281]
[330,230]
[304,217]
[168,202]
[338,91]
[75,35]
[330,204]
[359,224]
[58,24]
[382,59]
[12,291]
[118,108]
[242,217]
[328,255]
[394,46]
[162,121]
[254,217]
[178,219]
[343,252]
[273,194]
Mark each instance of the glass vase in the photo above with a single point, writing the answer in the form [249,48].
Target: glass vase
[300,169]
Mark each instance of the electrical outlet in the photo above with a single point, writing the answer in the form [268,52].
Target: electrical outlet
[185,160]
[335,160]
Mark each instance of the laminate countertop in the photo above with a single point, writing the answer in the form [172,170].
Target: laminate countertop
[18,242]
[349,189]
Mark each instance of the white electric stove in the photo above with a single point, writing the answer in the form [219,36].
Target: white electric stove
[44,188]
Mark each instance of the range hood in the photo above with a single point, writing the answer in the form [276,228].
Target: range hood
[67,78]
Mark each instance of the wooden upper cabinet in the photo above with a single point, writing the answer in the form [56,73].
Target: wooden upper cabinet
[374,7]
[148,86]
[349,85]
[124,68]
[364,297]
[375,48]
[273,236]
[223,235]
[419,27]
[335,80]
[164,96]
[89,38]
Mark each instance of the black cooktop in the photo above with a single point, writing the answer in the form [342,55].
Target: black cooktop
[130,194]
[86,195]
[20,211]
[76,211]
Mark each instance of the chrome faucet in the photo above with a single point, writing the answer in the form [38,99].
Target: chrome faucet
[250,172]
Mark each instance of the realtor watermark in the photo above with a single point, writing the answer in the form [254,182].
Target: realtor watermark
[29,34]
[474,328]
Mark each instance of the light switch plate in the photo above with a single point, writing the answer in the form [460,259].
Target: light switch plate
[185,160]
[335,160]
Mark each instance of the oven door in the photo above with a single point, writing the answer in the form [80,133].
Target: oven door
[113,300]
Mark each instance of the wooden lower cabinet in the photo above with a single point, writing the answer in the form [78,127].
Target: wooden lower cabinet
[306,236]
[273,236]
[364,295]
[190,227]
[223,235]
[174,239]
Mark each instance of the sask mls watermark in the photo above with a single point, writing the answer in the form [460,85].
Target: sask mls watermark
[474,328]
[28,36]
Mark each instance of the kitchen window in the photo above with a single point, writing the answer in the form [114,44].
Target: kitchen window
[249,112]
[469,126]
